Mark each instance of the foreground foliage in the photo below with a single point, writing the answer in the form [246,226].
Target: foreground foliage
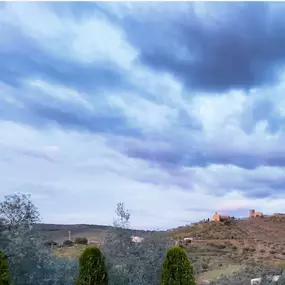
[132,263]
[31,261]
[4,271]
[92,269]
[177,269]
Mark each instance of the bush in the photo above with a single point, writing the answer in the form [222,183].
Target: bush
[92,269]
[177,269]
[68,243]
[81,240]
[4,274]
[50,243]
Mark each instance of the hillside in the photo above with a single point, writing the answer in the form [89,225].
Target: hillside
[218,248]
[59,233]
[237,242]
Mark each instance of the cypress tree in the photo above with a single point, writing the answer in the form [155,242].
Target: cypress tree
[4,274]
[177,269]
[92,268]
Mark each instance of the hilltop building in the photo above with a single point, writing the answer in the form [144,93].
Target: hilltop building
[253,214]
[220,218]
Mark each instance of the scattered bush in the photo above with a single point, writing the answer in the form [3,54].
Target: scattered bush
[177,269]
[50,243]
[220,246]
[81,240]
[68,243]
[4,274]
[92,269]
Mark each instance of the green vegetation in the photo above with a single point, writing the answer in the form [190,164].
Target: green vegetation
[4,274]
[68,243]
[92,268]
[81,240]
[223,254]
[177,269]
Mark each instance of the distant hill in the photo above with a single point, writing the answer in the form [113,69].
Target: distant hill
[59,233]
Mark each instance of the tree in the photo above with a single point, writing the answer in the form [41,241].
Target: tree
[30,261]
[132,263]
[4,274]
[81,240]
[177,269]
[18,210]
[92,269]
[123,217]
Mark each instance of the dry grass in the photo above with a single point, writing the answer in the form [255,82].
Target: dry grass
[216,273]
[70,252]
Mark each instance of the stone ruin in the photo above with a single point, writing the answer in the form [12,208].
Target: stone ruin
[253,214]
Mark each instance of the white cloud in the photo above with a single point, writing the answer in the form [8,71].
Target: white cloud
[91,40]
[58,92]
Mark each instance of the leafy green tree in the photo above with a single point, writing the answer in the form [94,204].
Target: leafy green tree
[177,269]
[4,274]
[92,268]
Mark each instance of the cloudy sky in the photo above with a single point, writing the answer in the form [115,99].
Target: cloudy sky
[175,109]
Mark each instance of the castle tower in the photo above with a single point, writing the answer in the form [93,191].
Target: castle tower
[216,217]
[251,213]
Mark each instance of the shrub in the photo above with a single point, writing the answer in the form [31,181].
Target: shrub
[4,275]
[50,243]
[81,240]
[68,243]
[177,269]
[92,269]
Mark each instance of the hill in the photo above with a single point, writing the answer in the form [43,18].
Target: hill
[218,247]
[222,246]
[60,233]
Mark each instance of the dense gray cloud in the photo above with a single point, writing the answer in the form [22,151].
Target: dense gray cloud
[232,45]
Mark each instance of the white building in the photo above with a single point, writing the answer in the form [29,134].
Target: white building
[136,239]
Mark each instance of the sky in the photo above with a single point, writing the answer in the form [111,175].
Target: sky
[175,109]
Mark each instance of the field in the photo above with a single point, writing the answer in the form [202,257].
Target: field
[219,248]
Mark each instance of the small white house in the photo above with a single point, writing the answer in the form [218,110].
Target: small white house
[188,239]
[136,239]
[257,281]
